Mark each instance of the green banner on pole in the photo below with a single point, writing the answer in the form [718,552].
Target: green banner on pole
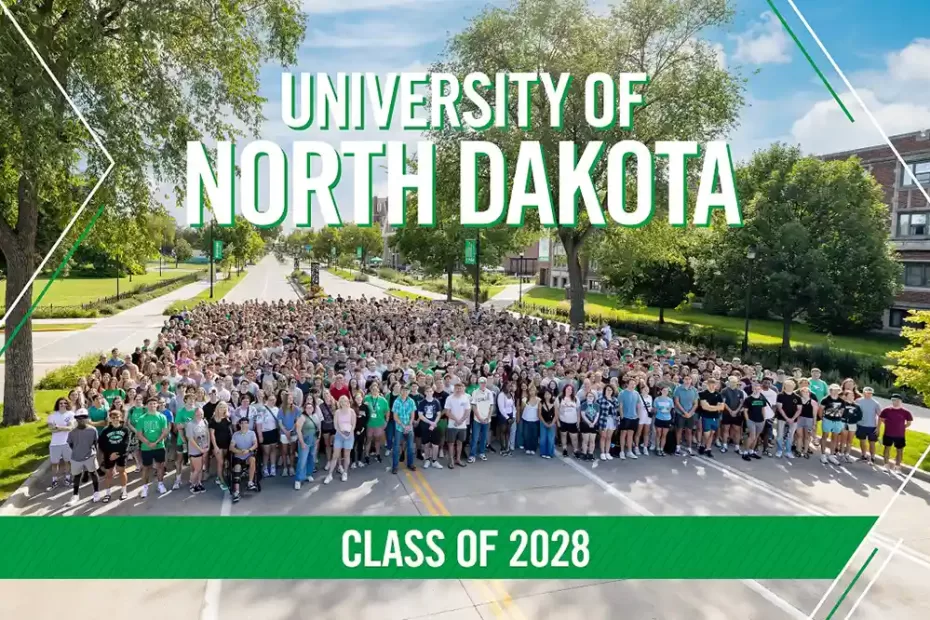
[332,251]
[358,252]
[454,547]
[217,249]
[470,253]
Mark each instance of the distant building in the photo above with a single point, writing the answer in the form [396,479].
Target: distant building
[379,212]
[553,266]
[528,266]
[910,214]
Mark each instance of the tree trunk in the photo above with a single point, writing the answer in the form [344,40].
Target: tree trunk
[449,269]
[786,332]
[661,315]
[18,371]
[576,314]
[177,262]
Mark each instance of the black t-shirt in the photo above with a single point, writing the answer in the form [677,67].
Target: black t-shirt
[441,397]
[429,410]
[361,419]
[547,412]
[208,409]
[807,409]
[756,406]
[833,408]
[711,398]
[305,387]
[114,439]
[790,403]
[222,431]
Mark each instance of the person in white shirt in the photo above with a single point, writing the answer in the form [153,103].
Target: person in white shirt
[60,422]
[482,404]
[506,412]
[457,409]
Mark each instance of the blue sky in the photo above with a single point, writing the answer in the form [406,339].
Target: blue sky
[878,46]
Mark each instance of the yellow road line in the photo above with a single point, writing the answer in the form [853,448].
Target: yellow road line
[495,585]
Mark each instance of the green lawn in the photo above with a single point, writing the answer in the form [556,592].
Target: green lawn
[220,289]
[396,292]
[23,448]
[75,291]
[60,327]
[345,274]
[761,331]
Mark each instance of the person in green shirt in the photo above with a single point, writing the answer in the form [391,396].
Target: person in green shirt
[98,412]
[134,421]
[184,415]
[377,418]
[152,430]
[818,386]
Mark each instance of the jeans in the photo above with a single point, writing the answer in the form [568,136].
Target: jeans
[514,434]
[306,457]
[401,436]
[546,440]
[389,433]
[530,435]
[784,443]
[479,439]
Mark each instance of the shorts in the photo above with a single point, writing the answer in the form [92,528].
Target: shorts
[328,431]
[833,426]
[644,419]
[852,427]
[568,427]
[731,420]
[755,428]
[341,442]
[587,429]
[869,433]
[119,461]
[238,460]
[455,434]
[686,423]
[153,456]
[375,431]
[287,438]
[270,438]
[90,466]
[663,423]
[58,454]
[806,423]
[427,435]
[607,423]
[897,442]
[628,424]
[709,425]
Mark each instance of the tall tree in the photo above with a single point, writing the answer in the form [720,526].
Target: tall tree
[325,241]
[689,96]
[353,236]
[912,363]
[182,251]
[149,76]
[809,221]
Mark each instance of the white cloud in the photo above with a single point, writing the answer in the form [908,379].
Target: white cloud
[720,54]
[764,42]
[911,63]
[349,6]
[825,129]
[373,34]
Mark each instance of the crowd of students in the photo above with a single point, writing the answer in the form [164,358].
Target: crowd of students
[248,392]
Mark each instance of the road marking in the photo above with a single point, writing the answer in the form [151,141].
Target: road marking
[489,587]
[852,583]
[210,610]
[638,508]
[881,540]
[874,579]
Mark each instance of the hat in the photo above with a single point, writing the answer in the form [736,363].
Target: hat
[895,397]
[81,413]
[868,390]
[482,380]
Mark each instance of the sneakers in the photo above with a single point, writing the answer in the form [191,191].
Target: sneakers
[690,451]
[823,459]
[756,456]
[603,456]
[76,498]
[632,455]
[274,471]
[329,477]
[267,474]
[252,486]
[636,451]
[297,485]
[235,498]
[746,456]
[436,465]
[145,491]
[833,460]
[564,452]
[789,455]
[723,449]
[52,486]
[471,459]
[124,496]
[412,468]
[701,450]
[161,488]
[96,497]
[677,450]
[426,464]
[779,454]
[344,476]
[622,456]
[483,457]
[609,457]
[354,465]
[709,454]
[176,485]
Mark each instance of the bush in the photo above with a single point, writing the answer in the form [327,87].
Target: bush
[361,277]
[66,377]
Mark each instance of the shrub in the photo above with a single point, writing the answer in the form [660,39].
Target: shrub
[66,377]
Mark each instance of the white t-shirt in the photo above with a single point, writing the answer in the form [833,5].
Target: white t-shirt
[59,418]
[458,407]
[505,405]
[482,400]
[568,411]
[771,396]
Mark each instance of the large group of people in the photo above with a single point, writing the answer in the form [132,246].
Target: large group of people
[244,393]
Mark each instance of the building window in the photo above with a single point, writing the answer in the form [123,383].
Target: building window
[896,317]
[912,225]
[917,274]
[921,170]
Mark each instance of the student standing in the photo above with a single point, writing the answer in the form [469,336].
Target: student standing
[82,441]
[457,409]
[895,420]
[404,415]
[867,430]
[754,411]
[530,420]
[710,406]
[429,411]
[607,422]
[60,422]
[663,405]
[788,411]
[832,425]
[152,432]
[482,402]
[548,422]
[114,444]
[686,401]
[197,433]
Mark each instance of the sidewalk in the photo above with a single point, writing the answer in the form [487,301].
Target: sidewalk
[509,296]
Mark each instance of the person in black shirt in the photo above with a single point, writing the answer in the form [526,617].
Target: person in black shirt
[710,407]
[359,457]
[833,425]
[114,444]
[220,437]
[787,412]
[754,412]
[430,412]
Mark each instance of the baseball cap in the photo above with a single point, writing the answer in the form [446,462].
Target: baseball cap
[867,390]
[895,397]
[482,380]
[81,413]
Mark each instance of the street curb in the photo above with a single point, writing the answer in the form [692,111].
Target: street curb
[918,473]
[20,497]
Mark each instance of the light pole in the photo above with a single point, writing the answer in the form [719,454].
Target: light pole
[477,269]
[751,255]
[520,300]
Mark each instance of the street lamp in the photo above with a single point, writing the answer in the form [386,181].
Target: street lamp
[520,302]
[751,255]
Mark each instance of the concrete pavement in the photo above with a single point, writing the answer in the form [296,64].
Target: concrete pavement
[265,280]
[509,296]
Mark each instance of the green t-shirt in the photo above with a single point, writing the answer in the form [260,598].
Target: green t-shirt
[97,415]
[181,419]
[818,388]
[153,425]
[135,416]
[111,394]
[378,408]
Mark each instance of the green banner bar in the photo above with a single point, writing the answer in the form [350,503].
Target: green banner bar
[487,547]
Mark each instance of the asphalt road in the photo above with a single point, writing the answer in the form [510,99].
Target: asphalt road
[514,487]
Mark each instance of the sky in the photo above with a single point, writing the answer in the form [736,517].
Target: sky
[877,45]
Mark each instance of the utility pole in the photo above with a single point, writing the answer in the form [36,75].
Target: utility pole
[477,270]
[210,250]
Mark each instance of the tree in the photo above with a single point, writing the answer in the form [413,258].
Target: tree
[689,96]
[353,236]
[327,239]
[912,364]
[809,221]
[182,251]
[149,77]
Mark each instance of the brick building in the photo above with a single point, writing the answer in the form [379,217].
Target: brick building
[379,216]
[910,214]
